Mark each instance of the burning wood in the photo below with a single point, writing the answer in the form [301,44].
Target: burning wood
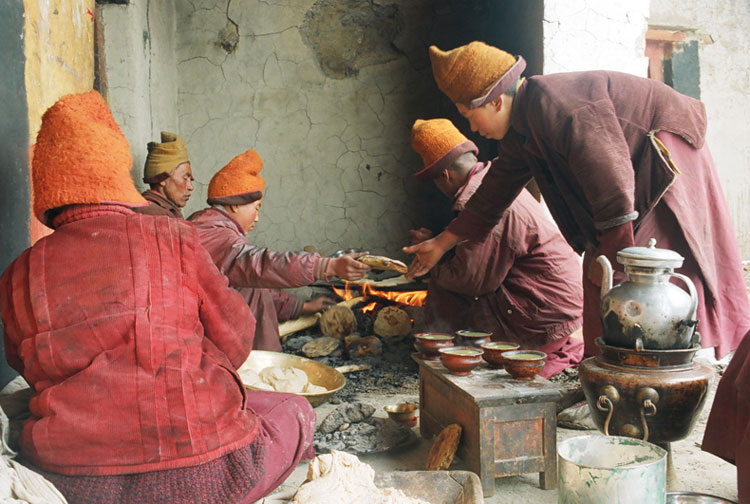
[411,298]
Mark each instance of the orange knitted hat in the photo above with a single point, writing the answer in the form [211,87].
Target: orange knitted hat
[238,182]
[81,156]
[471,73]
[439,143]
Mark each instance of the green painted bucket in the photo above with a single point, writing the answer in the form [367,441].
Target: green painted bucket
[597,469]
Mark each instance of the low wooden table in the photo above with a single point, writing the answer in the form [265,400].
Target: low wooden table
[509,426]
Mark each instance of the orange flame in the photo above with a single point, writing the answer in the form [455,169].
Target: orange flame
[370,307]
[412,298]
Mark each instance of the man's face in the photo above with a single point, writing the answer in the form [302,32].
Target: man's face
[179,185]
[247,215]
[490,120]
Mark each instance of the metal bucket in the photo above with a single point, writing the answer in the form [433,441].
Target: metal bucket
[598,469]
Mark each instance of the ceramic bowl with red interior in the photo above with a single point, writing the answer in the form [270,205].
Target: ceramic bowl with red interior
[523,364]
[493,352]
[460,360]
[428,344]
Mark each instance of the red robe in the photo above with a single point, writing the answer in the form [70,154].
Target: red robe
[129,337]
[522,282]
[258,272]
[587,140]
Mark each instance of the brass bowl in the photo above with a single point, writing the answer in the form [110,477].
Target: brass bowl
[493,352]
[404,413]
[318,373]
[523,364]
[429,343]
[460,360]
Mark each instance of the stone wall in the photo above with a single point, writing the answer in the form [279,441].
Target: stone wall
[721,29]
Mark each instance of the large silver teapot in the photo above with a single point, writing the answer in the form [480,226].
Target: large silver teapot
[648,311]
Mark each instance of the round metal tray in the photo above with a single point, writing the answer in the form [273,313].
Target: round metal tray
[695,498]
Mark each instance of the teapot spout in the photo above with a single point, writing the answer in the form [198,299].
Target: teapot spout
[606,274]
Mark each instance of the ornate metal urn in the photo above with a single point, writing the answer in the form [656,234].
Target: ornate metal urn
[645,384]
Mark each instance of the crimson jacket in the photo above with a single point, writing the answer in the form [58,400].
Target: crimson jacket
[130,338]
[159,205]
[258,272]
[522,281]
[587,140]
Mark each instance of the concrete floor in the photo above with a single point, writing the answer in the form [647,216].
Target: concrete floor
[696,470]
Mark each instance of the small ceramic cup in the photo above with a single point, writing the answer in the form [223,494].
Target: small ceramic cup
[472,337]
[460,360]
[523,364]
[429,343]
[493,352]
[403,413]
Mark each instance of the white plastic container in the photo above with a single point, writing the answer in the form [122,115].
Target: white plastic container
[598,469]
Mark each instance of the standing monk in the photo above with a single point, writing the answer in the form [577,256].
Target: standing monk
[169,175]
[235,194]
[130,337]
[522,281]
[619,159]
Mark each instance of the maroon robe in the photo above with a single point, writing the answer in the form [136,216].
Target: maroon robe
[258,272]
[727,433]
[158,205]
[587,138]
[522,282]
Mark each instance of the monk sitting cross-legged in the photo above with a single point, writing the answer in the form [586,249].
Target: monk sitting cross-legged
[130,337]
[522,281]
[235,194]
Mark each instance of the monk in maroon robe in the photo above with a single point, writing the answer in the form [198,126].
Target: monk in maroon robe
[235,193]
[169,175]
[619,159]
[522,282]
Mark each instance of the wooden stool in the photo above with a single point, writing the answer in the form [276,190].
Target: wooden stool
[509,426]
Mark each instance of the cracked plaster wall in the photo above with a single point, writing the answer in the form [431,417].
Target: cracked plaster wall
[595,35]
[721,28]
[327,105]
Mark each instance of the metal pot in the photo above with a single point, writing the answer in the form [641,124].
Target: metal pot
[593,469]
[648,311]
[649,401]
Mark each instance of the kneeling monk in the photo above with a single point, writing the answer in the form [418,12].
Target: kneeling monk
[235,194]
[522,281]
[129,337]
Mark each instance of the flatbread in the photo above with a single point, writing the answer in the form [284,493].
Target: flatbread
[383,263]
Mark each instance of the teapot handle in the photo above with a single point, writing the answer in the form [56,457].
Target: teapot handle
[693,294]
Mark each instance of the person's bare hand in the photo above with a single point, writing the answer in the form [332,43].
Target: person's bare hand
[429,252]
[420,235]
[316,305]
[347,267]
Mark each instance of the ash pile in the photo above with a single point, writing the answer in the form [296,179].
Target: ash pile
[352,428]
[378,342]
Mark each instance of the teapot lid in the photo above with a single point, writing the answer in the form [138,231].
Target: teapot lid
[650,256]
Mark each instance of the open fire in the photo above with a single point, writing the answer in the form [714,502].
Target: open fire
[410,298]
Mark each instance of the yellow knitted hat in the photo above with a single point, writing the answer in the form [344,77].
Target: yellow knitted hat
[164,157]
[439,143]
[470,72]
[81,156]
[238,182]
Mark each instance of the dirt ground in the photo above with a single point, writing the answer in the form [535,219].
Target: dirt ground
[696,470]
